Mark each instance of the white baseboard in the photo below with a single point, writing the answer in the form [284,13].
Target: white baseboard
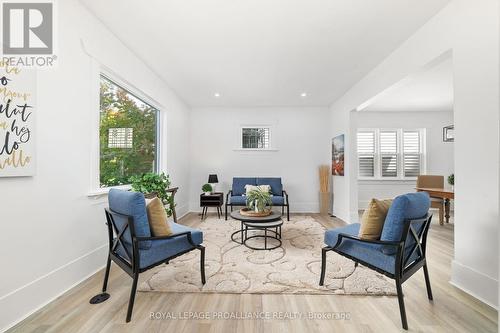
[26,300]
[474,283]
[182,211]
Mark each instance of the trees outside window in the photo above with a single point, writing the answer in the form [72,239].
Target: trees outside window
[128,135]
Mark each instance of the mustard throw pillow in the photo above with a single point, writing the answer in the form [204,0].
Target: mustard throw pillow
[157,218]
[373,219]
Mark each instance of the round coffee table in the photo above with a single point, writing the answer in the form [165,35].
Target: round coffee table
[271,225]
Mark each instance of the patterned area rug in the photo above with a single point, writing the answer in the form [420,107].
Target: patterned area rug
[292,269]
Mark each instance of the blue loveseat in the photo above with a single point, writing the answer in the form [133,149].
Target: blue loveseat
[236,196]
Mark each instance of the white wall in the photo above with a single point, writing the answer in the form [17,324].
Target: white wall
[470,30]
[302,141]
[439,154]
[51,234]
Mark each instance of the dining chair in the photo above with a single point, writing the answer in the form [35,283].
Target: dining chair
[433,181]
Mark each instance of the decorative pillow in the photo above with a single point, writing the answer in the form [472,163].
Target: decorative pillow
[373,219]
[158,218]
[265,188]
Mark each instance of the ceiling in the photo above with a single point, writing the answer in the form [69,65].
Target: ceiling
[429,90]
[263,52]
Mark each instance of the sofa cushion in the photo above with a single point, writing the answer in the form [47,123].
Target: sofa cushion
[241,200]
[238,200]
[165,248]
[331,235]
[132,204]
[369,253]
[239,184]
[407,206]
[275,183]
[278,200]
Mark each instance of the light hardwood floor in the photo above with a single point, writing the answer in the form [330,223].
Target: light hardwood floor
[452,309]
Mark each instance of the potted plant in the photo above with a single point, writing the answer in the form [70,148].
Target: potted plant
[154,185]
[451,180]
[259,200]
[207,189]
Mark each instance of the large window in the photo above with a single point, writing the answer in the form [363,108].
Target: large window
[128,135]
[390,153]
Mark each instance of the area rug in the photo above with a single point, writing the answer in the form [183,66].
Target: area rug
[294,268]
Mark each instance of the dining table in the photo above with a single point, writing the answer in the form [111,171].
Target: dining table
[446,194]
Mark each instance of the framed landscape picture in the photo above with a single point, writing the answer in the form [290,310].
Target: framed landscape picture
[338,155]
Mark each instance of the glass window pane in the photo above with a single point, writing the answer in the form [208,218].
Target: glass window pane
[128,133]
[366,142]
[255,138]
[411,164]
[411,153]
[388,142]
[389,165]
[366,166]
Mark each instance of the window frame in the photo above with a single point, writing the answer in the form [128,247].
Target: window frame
[400,154]
[272,141]
[374,154]
[95,151]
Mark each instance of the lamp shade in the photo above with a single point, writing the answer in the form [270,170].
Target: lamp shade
[212,179]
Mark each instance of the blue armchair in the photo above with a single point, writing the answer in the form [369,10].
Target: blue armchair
[398,254]
[132,247]
[236,196]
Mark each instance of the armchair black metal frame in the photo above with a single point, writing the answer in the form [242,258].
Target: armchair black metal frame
[404,267]
[285,204]
[131,264]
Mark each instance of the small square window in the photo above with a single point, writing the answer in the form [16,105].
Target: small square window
[255,138]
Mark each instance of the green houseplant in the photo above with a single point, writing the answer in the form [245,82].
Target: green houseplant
[451,179]
[153,184]
[259,200]
[207,188]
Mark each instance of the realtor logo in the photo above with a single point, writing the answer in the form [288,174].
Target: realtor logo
[27,28]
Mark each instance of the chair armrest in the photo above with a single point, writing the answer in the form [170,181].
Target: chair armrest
[187,234]
[227,195]
[366,241]
[285,195]
[172,190]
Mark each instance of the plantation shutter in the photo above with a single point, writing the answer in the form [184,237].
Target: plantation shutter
[389,153]
[411,153]
[366,154]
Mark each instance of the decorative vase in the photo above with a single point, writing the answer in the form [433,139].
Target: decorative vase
[208,193]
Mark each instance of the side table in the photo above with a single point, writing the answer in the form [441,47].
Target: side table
[215,199]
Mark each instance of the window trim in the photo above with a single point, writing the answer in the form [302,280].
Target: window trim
[377,155]
[99,70]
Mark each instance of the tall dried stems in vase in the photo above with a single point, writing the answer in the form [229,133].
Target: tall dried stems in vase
[324,188]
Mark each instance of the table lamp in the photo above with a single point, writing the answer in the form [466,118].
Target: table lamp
[212,180]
